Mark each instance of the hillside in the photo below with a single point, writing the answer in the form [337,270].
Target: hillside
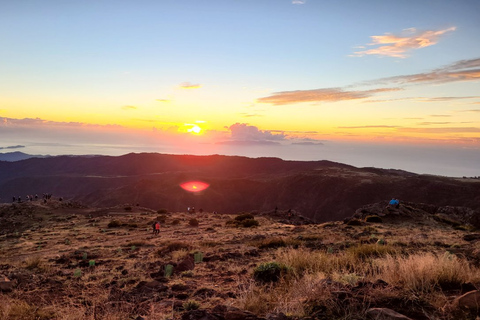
[319,190]
[61,260]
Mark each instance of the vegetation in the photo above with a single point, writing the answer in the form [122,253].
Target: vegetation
[329,271]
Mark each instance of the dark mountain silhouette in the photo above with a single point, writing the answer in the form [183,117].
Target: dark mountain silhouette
[319,190]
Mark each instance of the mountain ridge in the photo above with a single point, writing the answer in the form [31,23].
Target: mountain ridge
[319,190]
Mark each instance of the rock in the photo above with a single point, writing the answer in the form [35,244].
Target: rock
[277,316]
[373,218]
[187,264]
[151,286]
[470,300]
[354,222]
[467,287]
[6,285]
[205,292]
[385,314]
[471,237]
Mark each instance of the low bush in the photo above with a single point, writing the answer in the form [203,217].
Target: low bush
[270,272]
[273,243]
[193,222]
[162,211]
[371,250]
[114,224]
[244,216]
[191,305]
[249,223]
[174,246]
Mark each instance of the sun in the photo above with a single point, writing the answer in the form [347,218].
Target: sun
[195,129]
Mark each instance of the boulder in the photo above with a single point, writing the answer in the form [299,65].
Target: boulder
[470,300]
[373,218]
[6,285]
[471,237]
[385,314]
[187,264]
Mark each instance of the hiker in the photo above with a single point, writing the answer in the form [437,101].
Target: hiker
[394,203]
[157,228]
[14,199]
[289,213]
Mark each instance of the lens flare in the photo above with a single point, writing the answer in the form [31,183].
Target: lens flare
[194,186]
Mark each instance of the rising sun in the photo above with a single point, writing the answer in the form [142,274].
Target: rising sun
[195,129]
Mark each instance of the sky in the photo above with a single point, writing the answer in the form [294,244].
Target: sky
[391,84]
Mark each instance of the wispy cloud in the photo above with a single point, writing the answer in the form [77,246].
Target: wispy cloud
[368,127]
[441,130]
[463,70]
[12,147]
[299,1]
[320,95]
[250,115]
[397,46]
[440,115]
[129,108]
[471,110]
[188,85]
[429,123]
[163,100]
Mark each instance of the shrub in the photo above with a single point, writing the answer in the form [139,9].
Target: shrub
[33,263]
[175,222]
[366,251]
[114,224]
[193,222]
[162,218]
[244,216]
[162,211]
[191,305]
[174,246]
[249,223]
[270,272]
[128,208]
[274,243]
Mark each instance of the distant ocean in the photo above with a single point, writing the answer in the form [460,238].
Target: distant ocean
[444,161]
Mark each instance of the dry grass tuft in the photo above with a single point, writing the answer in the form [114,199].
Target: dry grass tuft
[426,272]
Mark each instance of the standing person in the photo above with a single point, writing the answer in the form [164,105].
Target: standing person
[157,228]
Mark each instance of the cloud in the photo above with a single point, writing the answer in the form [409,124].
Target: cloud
[12,147]
[129,108]
[320,95]
[397,46]
[247,142]
[440,130]
[368,127]
[250,115]
[299,1]
[440,115]
[463,70]
[188,85]
[163,100]
[428,123]
[246,133]
[471,110]
[308,143]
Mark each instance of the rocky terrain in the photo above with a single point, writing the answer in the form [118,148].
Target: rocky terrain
[320,190]
[63,260]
